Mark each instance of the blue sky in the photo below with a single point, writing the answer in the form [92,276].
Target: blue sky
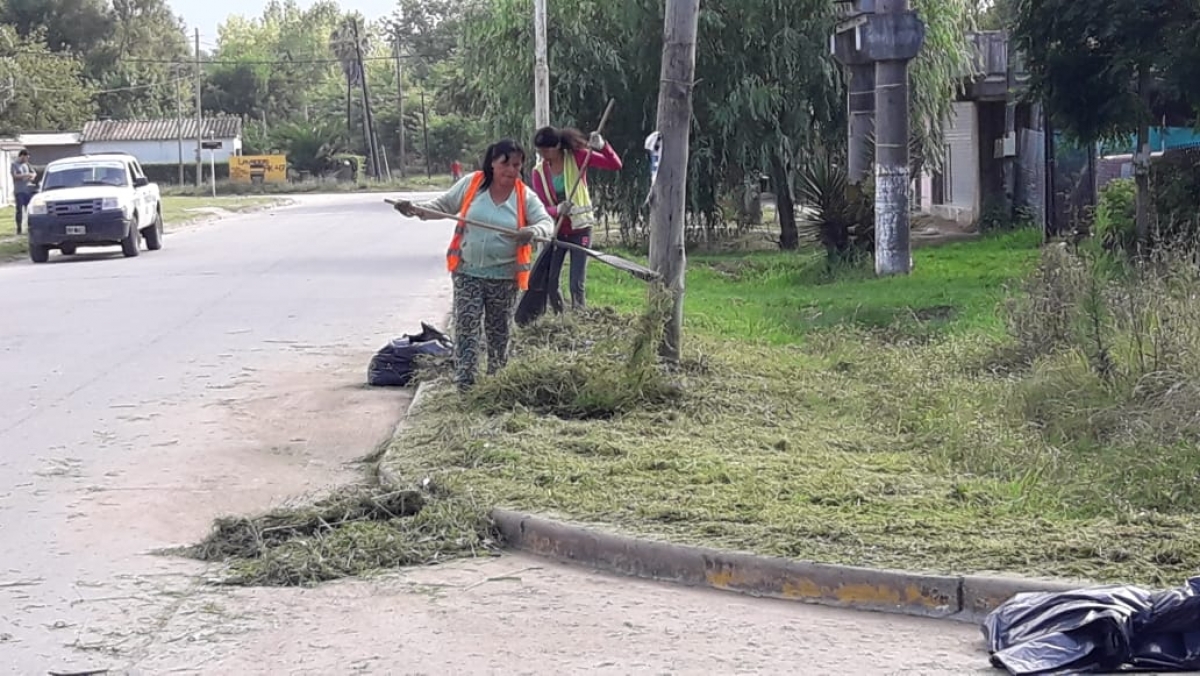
[208,14]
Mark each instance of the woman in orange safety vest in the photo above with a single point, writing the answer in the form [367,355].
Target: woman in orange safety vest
[489,269]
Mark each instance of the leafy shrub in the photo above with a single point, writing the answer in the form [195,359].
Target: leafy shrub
[1175,185]
[1115,215]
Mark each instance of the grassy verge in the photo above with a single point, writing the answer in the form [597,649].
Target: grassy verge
[177,211]
[836,417]
[180,210]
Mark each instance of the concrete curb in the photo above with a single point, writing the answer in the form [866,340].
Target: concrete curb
[954,597]
[964,598]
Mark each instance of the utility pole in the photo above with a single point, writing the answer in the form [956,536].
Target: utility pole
[883,36]
[668,211]
[179,120]
[368,119]
[893,246]
[541,67]
[425,128]
[400,104]
[199,116]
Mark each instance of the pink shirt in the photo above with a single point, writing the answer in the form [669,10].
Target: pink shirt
[606,159]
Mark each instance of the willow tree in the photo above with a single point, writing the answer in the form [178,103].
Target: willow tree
[767,87]
[938,75]
[754,108]
[762,107]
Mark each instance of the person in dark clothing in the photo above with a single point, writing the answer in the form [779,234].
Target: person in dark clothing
[24,183]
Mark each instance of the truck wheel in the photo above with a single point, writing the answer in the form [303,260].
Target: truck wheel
[154,234]
[67,249]
[130,246]
[38,253]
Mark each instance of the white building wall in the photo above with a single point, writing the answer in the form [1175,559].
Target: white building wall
[6,179]
[163,152]
[960,170]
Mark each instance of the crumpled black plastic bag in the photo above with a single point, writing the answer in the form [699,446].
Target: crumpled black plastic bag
[394,365]
[1098,629]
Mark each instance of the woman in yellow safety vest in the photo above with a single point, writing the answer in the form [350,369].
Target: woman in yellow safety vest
[489,269]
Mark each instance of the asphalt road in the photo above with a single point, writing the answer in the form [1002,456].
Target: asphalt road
[141,398]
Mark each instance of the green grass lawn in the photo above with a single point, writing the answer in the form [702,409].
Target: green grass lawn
[828,416]
[780,297]
[177,211]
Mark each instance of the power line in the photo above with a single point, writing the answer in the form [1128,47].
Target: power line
[233,62]
[114,90]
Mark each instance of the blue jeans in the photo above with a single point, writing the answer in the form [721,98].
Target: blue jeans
[578,274]
[22,205]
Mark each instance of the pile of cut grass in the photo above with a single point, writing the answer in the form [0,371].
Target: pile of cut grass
[353,532]
[612,369]
[867,433]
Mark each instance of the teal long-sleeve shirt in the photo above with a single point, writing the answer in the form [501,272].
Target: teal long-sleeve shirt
[487,254]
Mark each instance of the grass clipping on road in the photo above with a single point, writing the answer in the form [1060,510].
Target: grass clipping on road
[354,531]
[359,530]
[904,443]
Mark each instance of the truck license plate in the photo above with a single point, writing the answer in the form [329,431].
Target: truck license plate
[76,229]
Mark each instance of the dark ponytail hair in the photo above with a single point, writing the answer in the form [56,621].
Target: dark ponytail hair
[568,139]
[503,148]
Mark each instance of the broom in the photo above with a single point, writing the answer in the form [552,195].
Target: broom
[533,302]
[639,271]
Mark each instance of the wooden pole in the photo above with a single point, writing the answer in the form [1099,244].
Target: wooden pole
[199,118]
[368,119]
[179,122]
[425,129]
[400,104]
[667,254]
[541,68]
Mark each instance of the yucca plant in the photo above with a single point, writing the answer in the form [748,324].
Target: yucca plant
[836,215]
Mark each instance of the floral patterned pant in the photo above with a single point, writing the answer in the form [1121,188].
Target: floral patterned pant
[481,306]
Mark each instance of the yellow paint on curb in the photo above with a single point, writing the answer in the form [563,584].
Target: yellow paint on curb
[804,588]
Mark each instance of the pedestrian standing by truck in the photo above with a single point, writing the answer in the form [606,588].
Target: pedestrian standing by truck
[489,269]
[24,178]
[563,152]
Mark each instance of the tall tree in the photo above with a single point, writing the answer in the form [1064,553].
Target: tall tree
[428,32]
[79,26]
[134,65]
[275,66]
[1101,69]
[127,47]
[39,89]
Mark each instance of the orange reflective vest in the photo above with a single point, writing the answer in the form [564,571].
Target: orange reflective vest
[524,251]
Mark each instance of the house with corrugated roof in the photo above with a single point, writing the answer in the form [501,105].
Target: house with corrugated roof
[164,142]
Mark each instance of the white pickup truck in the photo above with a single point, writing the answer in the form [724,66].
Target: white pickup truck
[94,200]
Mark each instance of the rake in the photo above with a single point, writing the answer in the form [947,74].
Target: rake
[641,272]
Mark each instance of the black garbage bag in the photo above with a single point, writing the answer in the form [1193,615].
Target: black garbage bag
[1098,629]
[394,365]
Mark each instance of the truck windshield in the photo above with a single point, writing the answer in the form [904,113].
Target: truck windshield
[78,175]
